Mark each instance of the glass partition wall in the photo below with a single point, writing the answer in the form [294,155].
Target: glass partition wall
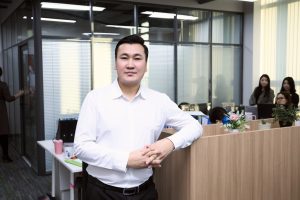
[66,48]
[18,56]
[194,55]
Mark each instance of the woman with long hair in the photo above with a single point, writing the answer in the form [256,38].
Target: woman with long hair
[288,85]
[262,94]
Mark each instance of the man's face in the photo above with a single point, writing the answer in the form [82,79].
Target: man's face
[130,64]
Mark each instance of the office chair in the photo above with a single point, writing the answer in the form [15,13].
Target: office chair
[203,108]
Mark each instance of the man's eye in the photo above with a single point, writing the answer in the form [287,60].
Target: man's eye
[123,58]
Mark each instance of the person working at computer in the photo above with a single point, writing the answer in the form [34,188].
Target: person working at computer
[262,94]
[119,125]
[283,98]
[288,85]
[218,115]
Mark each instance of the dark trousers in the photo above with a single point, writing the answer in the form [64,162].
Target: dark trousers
[4,144]
[96,190]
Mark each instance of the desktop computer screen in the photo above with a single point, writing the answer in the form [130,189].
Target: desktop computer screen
[265,111]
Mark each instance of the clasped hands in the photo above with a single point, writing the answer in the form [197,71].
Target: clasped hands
[151,155]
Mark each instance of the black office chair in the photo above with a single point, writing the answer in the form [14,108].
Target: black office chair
[203,108]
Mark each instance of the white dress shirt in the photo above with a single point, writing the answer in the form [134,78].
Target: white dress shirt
[110,127]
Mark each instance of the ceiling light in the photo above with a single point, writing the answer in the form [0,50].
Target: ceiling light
[248,0]
[163,15]
[120,26]
[55,20]
[89,34]
[78,40]
[63,6]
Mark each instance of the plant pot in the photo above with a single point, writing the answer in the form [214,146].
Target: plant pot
[285,124]
[233,131]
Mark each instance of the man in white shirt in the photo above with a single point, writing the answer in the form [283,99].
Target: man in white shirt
[118,129]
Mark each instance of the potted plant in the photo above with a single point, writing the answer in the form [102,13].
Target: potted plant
[236,123]
[286,115]
[263,125]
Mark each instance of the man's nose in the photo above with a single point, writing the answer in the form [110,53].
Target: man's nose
[130,63]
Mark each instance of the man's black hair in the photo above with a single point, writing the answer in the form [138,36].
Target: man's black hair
[132,39]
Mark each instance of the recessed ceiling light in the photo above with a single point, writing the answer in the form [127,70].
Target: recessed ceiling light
[163,15]
[96,33]
[63,6]
[54,20]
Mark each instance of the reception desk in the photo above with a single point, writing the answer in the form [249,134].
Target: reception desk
[254,165]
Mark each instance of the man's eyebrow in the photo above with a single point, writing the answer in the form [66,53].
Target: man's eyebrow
[134,55]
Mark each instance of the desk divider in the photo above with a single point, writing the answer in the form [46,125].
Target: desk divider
[254,165]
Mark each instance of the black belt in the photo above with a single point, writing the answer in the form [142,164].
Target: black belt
[124,191]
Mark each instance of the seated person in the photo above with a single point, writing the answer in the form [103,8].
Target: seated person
[218,115]
[184,106]
[283,98]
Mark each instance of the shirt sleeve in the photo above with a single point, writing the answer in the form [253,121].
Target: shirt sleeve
[188,129]
[7,96]
[85,145]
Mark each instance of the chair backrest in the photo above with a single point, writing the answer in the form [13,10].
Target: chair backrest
[66,130]
[203,108]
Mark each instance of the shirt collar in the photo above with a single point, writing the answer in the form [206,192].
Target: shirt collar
[116,91]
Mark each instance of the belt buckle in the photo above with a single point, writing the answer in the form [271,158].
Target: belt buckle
[131,191]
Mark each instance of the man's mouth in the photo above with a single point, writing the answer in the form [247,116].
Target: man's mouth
[130,73]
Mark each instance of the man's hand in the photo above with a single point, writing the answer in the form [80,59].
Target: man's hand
[138,158]
[159,151]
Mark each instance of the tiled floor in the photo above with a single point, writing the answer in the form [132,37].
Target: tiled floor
[19,182]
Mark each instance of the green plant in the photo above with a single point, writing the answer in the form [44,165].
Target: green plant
[285,114]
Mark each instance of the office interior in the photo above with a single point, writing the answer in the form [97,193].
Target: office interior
[200,52]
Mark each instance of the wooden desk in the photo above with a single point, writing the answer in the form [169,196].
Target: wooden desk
[63,174]
[254,165]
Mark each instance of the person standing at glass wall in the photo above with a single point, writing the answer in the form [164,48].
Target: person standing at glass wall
[288,85]
[262,94]
[4,124]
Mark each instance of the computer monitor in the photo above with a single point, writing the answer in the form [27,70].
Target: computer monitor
[251,109]
[265,111]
